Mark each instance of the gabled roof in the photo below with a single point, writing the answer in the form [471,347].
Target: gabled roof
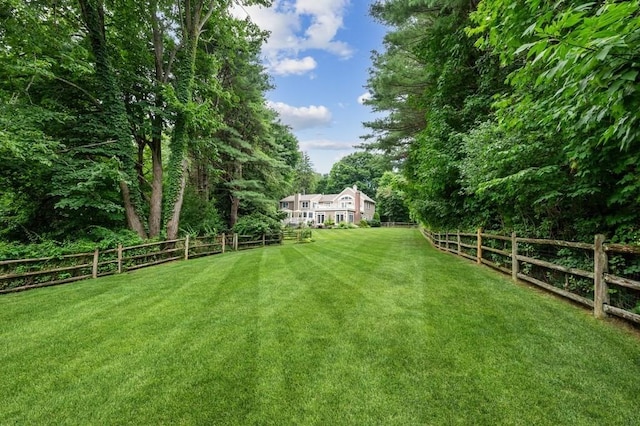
[306,197]
[323,198]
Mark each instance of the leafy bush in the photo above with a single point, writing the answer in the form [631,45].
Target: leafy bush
[256,224]
[329,223]
[199,217]
[374,223]
[363,223]
[345,225]
[97,237]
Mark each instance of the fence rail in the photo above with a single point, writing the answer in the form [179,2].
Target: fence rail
[589,274]
[25,274]
[398,225]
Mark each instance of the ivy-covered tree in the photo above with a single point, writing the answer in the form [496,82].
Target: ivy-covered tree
[110,105]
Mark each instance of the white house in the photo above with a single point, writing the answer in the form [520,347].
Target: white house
[351,206]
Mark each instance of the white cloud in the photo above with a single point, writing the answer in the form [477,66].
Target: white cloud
[325,144]
[289,36]
[364,97]
[300,118]
[294,66]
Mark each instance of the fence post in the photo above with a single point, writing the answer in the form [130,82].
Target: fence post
[186,248]
[235,241]
[119,258]
[264,241]
[446,242]
[459,242]
[600,290]
[479,247]
[515,266]
[94,271]
[224,241]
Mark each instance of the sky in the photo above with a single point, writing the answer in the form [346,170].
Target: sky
[318,56]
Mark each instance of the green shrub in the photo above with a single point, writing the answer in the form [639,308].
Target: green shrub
[199,217]
[256,224]
[374,223]
[97,237]
[363,223]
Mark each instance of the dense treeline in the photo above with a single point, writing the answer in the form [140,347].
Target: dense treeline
[146,115]
[513,115]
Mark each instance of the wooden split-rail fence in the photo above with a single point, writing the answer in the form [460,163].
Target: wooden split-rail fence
[24,274]
[603,276]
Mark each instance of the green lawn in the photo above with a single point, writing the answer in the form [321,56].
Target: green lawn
[367,326]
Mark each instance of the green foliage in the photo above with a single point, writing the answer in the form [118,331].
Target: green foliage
[391,198]
[345,225]
[88,100]
[517,115]
[306,179]
[362,169]
[435,86]
[199,216]
[257,224]
[95,237]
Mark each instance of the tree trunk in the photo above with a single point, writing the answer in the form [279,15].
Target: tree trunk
[176,182]
[233,214]
[235,200]
[194,18]
[174,222]
[155,205]
[133,220]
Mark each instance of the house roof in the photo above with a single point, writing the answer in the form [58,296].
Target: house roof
[306,197]
[326,197]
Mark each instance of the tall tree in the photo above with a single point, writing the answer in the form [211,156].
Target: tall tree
[435,86]
[391,198]
[113,110]
[362,169]
[306,179]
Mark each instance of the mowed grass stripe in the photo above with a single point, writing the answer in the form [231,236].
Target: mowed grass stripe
[367,326]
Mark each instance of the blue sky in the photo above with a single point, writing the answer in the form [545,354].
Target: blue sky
[318,56]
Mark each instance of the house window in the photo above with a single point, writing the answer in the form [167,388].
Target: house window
[284,205]
[339,217]
[310,215]
[305,204]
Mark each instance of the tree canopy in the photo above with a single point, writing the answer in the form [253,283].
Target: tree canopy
[510,115]
[128,114]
